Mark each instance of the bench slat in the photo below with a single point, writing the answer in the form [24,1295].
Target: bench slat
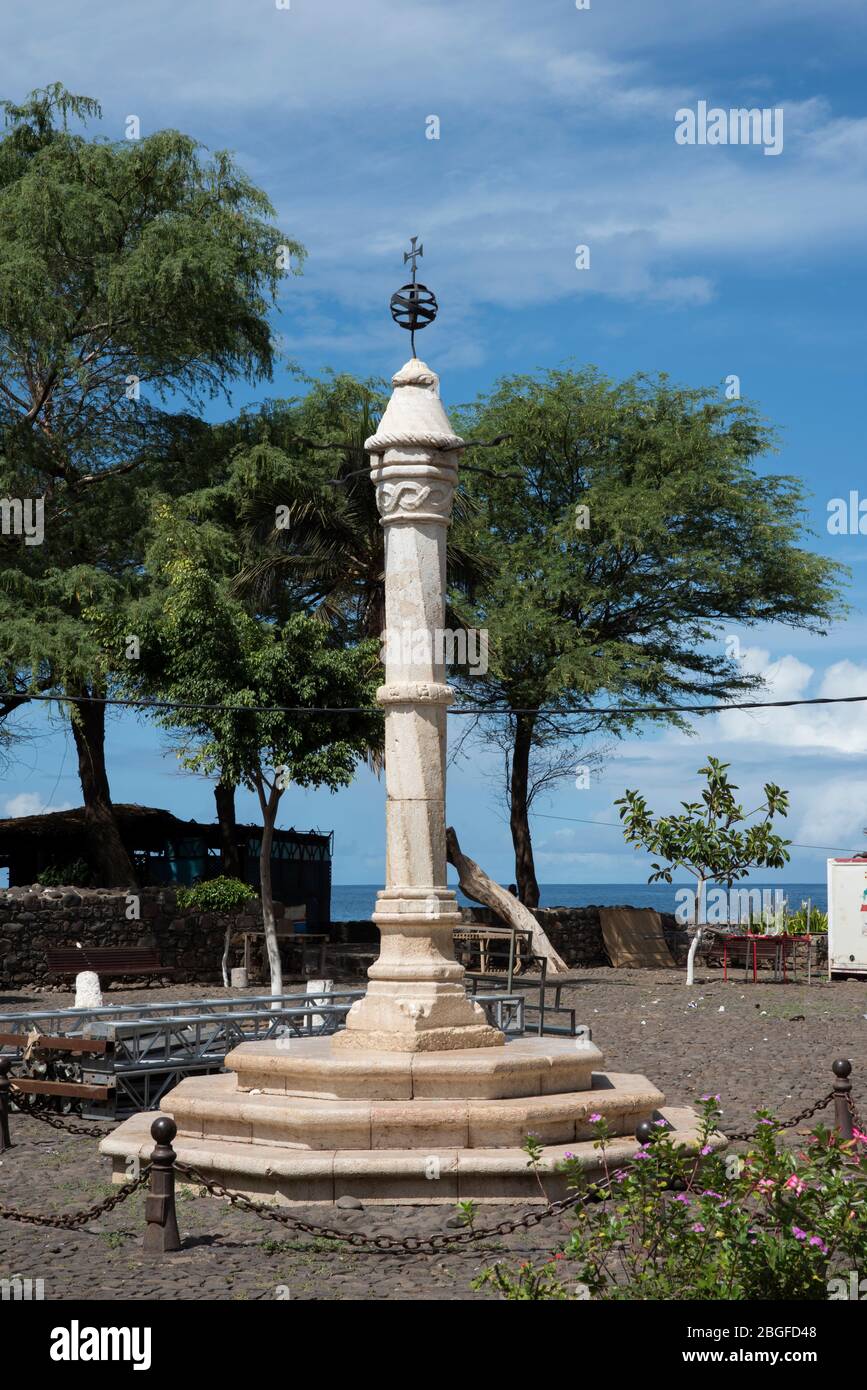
[109,960]
[61,1044]
[72,1089]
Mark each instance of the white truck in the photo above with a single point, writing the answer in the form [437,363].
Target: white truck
[847,917]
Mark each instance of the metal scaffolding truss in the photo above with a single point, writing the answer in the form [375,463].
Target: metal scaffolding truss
[149,1048]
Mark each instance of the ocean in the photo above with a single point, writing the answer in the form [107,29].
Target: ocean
[353,902]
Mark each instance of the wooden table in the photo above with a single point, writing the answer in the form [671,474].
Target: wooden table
[489,951]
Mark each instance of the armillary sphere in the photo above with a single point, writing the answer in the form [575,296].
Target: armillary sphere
[413,306]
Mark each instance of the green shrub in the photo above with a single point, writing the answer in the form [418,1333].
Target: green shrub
[59,875]
[796,922]
[775,1223]
[216,895]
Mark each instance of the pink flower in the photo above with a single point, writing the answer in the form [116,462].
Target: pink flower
[796,1184]
[682,1197]
[594,1118]
[817,1240]
[706,1150]
[798,1233]
[765,1185]
[697,1227]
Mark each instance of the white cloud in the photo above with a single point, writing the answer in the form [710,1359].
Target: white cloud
[556,130]
[836,729]
[31,804]
[836,814]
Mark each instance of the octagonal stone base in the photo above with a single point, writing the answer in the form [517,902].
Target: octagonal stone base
[386,1177]
[297,1121]
[320,1069]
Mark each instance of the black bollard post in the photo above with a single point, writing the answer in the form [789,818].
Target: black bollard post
[161,1232]
[645,1132]
[842,1070]
[5,1089]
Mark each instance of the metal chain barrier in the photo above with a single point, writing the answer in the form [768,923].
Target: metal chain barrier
[409,1245]
[27,1107]
[857,1122]
[807,1114]
[69,1221]
[430,1244]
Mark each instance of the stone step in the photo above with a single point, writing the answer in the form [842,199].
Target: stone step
[309,1067]
[213,1108]
[284,1176]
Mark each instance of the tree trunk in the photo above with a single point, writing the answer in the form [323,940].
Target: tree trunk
[695,944]
[227,951]
[230,857]
[519,820]
[106,851]
[269,802]
[476,884]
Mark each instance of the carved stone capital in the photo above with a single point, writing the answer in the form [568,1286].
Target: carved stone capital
[414,499]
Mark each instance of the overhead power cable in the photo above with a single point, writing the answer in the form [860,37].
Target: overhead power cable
[477,711]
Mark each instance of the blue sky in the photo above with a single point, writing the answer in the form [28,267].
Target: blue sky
[556,129]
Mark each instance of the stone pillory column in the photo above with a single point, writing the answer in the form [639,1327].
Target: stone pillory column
[416,1000]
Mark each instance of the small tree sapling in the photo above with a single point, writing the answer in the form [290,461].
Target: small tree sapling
[710,839]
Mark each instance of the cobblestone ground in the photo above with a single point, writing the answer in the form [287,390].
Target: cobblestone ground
[765,1044]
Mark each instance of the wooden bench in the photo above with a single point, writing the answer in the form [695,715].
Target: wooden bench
[109,961]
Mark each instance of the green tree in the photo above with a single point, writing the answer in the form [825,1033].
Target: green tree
[710,839]
[307,509]
[624,527]
[203,649]
[308,516]
[134,275]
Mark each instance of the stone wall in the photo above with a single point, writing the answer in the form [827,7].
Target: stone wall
[190,941]
[576,932]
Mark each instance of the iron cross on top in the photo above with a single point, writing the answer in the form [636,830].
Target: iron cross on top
[413,255]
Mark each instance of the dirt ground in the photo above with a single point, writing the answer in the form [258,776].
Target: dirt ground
[766,1044]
